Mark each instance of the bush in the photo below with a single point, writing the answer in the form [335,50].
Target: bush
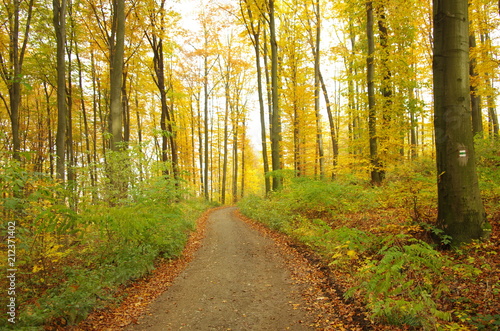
[70,263]
[402,286]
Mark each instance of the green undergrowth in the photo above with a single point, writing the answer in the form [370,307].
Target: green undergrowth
[376,240]
[71,262]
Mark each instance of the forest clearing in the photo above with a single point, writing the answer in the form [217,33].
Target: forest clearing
[357,140]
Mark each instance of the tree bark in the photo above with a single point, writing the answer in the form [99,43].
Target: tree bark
[460,210]
[317,89]
[276,121]
[59,21]
[117,47]
[11,69]
[477,118]
[376,174]
[254,32]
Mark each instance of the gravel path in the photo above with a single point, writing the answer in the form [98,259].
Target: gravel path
[236,281]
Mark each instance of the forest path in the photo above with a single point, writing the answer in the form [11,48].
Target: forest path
[237,280]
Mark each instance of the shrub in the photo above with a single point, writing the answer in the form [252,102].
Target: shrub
[402,286]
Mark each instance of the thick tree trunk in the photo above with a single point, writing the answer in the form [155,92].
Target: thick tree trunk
[12,74]
[460,210]
[116,76]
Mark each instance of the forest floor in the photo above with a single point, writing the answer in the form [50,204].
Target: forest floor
[233,275]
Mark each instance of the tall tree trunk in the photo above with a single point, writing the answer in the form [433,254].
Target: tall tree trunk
[386,93]
[126,109]
[59,21]
[477,118]
[353,129]
[263,129]
[254,30]
[12,68]
[86,130]
[95,110]
[460,210]
[49,128]
[376,174]
[167,118]
[70,152]
[116,77]
[226,137]
[276,121]
[235,157]
[333,135]
[317,89]
[243,150]
[205,121]
[492,116]
[413,126]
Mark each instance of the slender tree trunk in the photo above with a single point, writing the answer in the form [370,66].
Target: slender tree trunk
[205,119]
[226,137]
[263,129]
[49,128]
[243,150]
[333,135]
[254,30]
[477,118]
[492,116]
[317,89]
[276,121]
[167,120]
[460,210]
[126,109]
[59,21]
[351,92]
[386,114]
[86,130]
[95,110]
[139,135]
[376,174]
[70,152]
[235,158]
[413,128]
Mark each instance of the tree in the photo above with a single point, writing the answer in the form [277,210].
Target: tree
[59,12]
[376,173]
[156,40]
[460,210]
[253,26]
[275,117]
[12,65]
[117,47]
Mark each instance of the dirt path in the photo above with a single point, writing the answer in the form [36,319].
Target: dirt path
[236,281]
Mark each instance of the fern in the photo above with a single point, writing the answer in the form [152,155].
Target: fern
[403,286]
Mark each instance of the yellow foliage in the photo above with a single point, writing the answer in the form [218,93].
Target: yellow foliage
[37,268]
[352,254]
